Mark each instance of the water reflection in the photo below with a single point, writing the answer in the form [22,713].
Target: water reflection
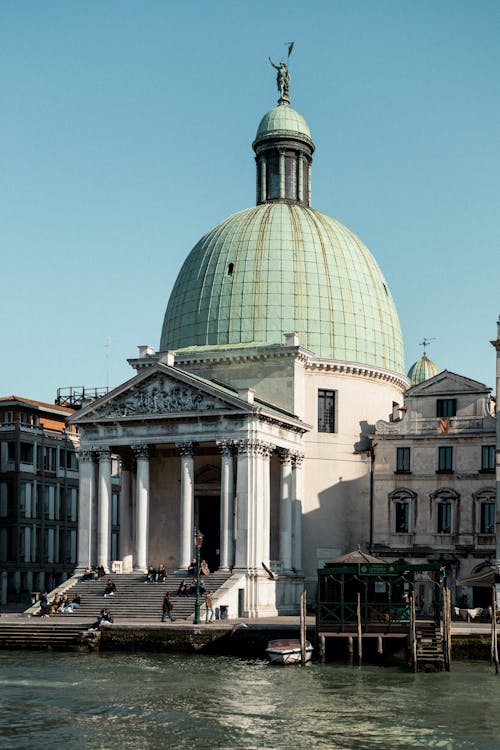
[161,701]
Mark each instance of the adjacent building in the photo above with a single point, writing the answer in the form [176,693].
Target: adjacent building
[434,480]
[38,496]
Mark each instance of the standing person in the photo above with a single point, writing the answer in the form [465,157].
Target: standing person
[167,608]
[209,607]
[44,604]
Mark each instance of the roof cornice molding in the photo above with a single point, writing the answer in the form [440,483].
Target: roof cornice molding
[358,370]
[250,354]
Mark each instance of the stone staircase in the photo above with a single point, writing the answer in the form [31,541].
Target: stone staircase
[41,633]
[430,646]
[135,600]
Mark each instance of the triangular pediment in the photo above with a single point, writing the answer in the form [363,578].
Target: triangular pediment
[447,382]
[161,391]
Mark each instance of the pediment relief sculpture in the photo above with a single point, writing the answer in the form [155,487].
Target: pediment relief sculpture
[159,396]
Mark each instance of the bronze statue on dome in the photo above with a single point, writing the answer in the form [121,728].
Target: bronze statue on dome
[283,80]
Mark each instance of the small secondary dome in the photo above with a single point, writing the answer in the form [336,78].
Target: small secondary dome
[281,121]
[423,369]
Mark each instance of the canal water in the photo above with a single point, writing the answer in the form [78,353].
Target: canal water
[73,701]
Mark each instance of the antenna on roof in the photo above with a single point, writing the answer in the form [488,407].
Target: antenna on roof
[425,343]
[107,344]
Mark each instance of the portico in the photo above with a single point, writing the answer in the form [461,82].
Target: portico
[192,454]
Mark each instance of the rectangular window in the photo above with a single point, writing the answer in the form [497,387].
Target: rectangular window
[26,499]
[49,501]
[445,461]
[403,460]
[4,498]
[487,525]
[326,411]
[24,417]
[27,453]
[444,518]
[446,407]
[402,518]
[11,451]
[71,503]
[488,458]
[9,416]
[49,459]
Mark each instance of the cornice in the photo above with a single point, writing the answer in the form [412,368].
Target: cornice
[358,370]
[250,354]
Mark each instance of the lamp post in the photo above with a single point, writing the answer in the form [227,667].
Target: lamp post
[198,541]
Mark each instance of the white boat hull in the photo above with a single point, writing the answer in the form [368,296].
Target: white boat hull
[287,651]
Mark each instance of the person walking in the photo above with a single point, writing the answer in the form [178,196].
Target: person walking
[209,607]
[167,608]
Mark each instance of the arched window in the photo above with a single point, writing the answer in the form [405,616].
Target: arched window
[485,511]
[445,511]
[402,511]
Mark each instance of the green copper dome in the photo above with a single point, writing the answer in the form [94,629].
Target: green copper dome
[280,268]
[283,121]
[423,369]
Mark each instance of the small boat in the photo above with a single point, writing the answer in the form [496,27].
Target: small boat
[287,651]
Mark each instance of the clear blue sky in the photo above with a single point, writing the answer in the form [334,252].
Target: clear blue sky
[126,134]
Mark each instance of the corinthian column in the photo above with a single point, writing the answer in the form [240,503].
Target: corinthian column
[104,508]
[264,502]
[297,484]
[245,508]
[187,504]
[86,477]
[142,507]
[286,510]
[226,504]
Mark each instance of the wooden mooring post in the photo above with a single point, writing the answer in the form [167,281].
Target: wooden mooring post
[494,638]
[303,627]
[413,633]
[360,633]
[446,614]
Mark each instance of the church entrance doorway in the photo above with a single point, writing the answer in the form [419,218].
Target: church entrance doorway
[209,524]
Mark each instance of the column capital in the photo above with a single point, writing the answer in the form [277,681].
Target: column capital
[247,447]
[226,447]
[104,454]
[266,449]
[285,456]
[186,449]
[141,452]
[297,459]
[85,456]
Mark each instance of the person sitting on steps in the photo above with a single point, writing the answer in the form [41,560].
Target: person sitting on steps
[110,589]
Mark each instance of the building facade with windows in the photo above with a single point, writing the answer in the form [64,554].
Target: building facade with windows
[38,497]
[280,348]
[434,479]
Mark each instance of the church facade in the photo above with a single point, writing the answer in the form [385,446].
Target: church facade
[280,349]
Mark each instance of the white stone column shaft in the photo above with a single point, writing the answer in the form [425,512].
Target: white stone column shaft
[86,477]
[244,509]
[142,507]
[226,505]
[286,510]
[104,508]
[265,490]
[187,505]
[297,477]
